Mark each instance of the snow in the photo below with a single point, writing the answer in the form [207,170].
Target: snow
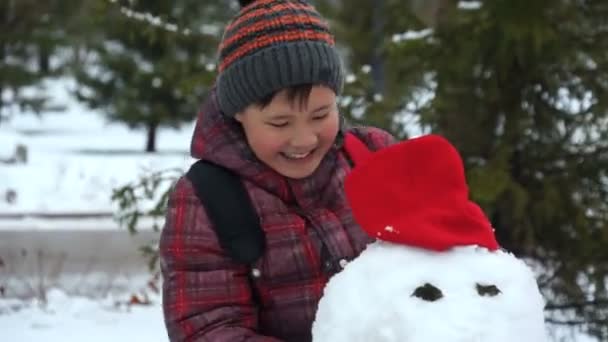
[412,35]
[469,5]
[378,289]
[31,222]
[75,158]
[80,319]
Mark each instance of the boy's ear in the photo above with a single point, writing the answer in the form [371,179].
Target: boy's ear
[239,117]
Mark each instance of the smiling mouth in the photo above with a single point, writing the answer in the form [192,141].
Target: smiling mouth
[298,156]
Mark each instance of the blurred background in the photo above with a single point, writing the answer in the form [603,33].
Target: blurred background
[97,107]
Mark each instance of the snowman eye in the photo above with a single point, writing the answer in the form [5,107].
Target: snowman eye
[428,292]
[487,290]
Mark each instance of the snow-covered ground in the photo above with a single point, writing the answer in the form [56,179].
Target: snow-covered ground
[80,319]
[75,158]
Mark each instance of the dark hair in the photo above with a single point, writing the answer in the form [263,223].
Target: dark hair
[244,3]
[295,94]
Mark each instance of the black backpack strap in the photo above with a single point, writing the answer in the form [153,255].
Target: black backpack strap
[230,210]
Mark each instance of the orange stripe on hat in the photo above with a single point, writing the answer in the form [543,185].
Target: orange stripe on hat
[264,10]
[264,24]
[295,35]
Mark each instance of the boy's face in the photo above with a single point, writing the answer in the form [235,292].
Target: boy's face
[289,137]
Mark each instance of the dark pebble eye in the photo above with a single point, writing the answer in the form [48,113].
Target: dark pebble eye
[428,292]
[487,290]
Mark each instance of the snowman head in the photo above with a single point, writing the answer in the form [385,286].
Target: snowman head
[436,273]
[395,293]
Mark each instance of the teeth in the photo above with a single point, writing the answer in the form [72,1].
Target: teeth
[297,156]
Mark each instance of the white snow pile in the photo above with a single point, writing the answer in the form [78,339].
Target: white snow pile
[66,318]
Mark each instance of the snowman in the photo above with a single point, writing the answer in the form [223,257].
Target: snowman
[436,271]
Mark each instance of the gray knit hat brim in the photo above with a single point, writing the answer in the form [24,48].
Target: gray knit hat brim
[271,69]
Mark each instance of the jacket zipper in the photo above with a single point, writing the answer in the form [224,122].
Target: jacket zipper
[329,264]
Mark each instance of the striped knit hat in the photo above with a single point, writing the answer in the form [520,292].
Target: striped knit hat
[271,45]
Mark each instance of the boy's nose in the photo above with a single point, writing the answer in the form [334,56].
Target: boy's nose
[304,141]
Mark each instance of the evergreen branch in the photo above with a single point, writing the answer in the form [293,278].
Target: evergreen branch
[566,322]
[156,175]
[155,21]
[548,280]
[577,305]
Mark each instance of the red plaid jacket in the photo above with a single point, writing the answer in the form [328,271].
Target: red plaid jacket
[309,232]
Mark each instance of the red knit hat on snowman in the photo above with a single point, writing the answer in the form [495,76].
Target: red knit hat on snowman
[415,193]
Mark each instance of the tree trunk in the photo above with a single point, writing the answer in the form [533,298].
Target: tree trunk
[151,139]
[2,104]
[428,11]
[377,62]
[43,60]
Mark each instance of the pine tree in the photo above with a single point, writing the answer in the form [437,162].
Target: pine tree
[520,88]
[32,33]
[149,63]
[375,92]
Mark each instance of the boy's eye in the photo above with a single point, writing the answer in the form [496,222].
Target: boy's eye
[320,117]
[278,124]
